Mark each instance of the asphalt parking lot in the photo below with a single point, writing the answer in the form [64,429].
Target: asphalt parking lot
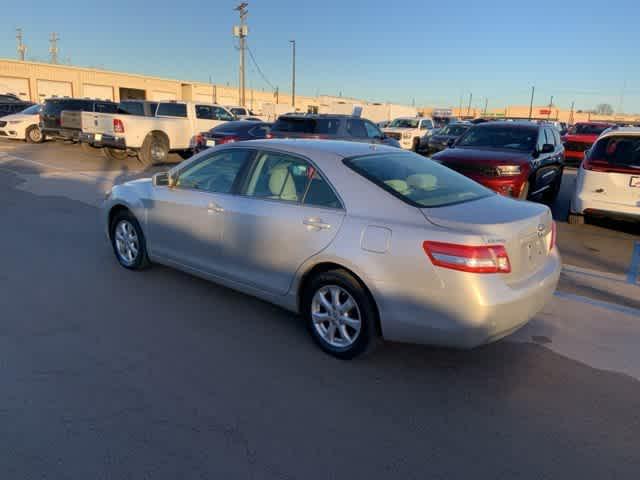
[107,373]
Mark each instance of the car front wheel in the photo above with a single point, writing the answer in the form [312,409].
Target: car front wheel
[128,241]
[340,314]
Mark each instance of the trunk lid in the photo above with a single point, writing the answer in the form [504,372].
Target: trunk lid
[98,122]
[524,228]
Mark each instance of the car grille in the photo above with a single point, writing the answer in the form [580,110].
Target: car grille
[396,135]
[577,146]
[3,124]
[471,169]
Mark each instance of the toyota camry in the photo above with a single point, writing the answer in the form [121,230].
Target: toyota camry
[365,242]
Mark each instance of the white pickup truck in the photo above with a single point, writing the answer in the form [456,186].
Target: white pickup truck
[409,131]
[173,128]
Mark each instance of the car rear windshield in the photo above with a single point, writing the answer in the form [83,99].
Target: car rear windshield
[417,180]
[502,137]
[317,126]
[588,129]
[618,151]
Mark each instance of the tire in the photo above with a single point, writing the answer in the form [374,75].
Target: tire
[575,219]
[362,340]
[128,241]
[88,148]
[115,154]
[524,191]
[34,135]
[154,150]
[551,196]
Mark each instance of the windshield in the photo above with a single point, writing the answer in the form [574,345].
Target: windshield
[501,137]
[32,110]
[239,111]
[404,123]
[588,129]
[454,130]
[417,180]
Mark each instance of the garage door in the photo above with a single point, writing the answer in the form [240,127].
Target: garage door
[159,95]
[100,92]
[203,97]
[53,89]
[17,86]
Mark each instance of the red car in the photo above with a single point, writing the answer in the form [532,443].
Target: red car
[521,160]
[580,139]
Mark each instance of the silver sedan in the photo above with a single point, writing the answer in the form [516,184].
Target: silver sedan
[364,241]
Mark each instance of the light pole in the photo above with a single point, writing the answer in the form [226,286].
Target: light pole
[241,32]
[293,74]
[533,91]
[550,107]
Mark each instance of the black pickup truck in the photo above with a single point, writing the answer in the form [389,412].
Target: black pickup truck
[51,115]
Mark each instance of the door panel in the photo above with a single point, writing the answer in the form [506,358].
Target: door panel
[265,241]
[184,226]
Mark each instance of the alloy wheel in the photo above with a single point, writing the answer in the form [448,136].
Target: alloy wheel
[336,316]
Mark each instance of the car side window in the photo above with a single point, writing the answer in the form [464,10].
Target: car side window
[220,113]
[551,139]
[216,173]
[320,193]
[172,110]
[372,130]
[356,128]
[278,176]
[204,112]
[542,139]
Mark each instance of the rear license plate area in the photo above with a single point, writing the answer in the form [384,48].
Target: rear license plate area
[634,182]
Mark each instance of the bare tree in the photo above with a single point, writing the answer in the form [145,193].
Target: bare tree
[604,109]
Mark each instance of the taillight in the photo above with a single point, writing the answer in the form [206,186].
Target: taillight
[118,126]
[269,135]
[554,235]
[465,258]
[228,139]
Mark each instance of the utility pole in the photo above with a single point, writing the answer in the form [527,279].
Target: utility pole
[460,109]
[469,106]
[550,107]
[486,105]
[22,49]
[533,91]
[241,31]
[573,104]
[293,74]
[277,94]
[53,49]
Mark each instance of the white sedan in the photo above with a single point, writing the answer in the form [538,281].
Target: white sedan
[23,125]
[608,183]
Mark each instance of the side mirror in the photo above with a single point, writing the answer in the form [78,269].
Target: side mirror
[548,148]
[162,179]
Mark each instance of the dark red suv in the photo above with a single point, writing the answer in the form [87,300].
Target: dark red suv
[517,159]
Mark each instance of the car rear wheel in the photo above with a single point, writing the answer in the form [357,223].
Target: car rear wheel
[340,314]
[154,150]
[115,154]
[34,135]
[128,241]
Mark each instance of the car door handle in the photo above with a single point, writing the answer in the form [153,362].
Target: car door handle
[214,208]
[316,223]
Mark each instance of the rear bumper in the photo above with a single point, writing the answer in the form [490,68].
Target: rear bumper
[469,317]
[105,141]
[594,205]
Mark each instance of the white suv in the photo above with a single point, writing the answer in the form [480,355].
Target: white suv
[409,131]
[608,183]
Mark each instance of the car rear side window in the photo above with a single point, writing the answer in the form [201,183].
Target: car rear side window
[172,110]
[417,180]
[618,151]
[356,128]
[105,107]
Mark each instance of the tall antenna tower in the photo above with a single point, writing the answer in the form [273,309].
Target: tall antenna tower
[241,31]
[22,49]
[53,49]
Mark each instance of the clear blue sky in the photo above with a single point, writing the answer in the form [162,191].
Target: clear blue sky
[432,52]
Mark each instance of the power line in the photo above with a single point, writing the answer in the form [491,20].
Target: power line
[264,77]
